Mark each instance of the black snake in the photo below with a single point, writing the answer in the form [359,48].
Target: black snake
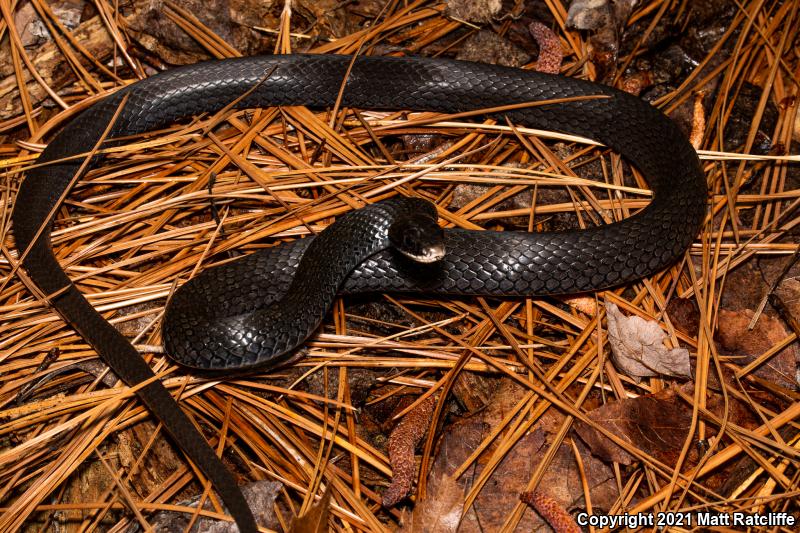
[487,263]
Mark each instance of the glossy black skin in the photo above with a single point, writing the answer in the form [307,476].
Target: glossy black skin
[418,237]
[476,262]
[263,331]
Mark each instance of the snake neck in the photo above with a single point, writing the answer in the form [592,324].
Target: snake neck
[265,337]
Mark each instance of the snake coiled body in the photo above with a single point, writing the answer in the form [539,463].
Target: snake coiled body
[476,262]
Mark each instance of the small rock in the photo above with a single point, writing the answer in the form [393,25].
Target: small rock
[479,12]
[488,47]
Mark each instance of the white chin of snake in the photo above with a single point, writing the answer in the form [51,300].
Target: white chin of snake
[430,254]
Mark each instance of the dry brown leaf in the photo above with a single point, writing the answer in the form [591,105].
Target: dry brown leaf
[698,122]
[655,424]
[684,315]
[440,511]
[315,520]
[747,345]
[604,21]
[501,493]
[796,130]
[638,350]
[585,304]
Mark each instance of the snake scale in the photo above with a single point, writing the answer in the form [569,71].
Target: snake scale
[476,262]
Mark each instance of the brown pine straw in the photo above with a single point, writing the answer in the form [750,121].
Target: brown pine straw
[135,229]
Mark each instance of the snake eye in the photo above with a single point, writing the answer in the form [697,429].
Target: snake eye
[411,238]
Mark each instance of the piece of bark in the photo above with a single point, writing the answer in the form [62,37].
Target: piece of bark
[786,299]
[50,64]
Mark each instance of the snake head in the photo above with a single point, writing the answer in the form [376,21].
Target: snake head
[418,237]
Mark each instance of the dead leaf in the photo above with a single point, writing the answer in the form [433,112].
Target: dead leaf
[585,304]
[655,424]
[315,520]
[604,20]
[737,339]
[502,491]
[440,511]
[638,349]
[684,315]
[152,27]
